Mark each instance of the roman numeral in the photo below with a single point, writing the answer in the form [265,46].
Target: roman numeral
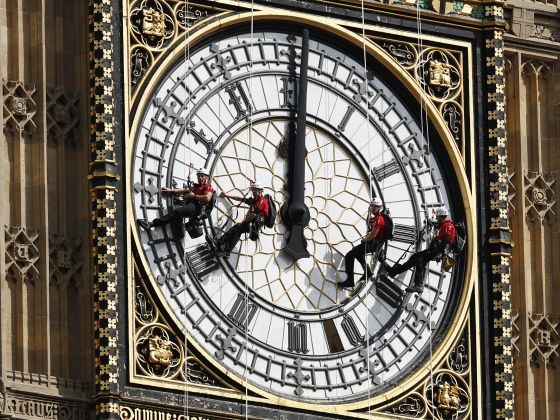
[201,261]
[242,311]
[320,64]
[240,101]
[297,337]
[404,233]
[287,92]
[351,330]
[385,170]
[335,69]
[200,137]
[388,291]
[349,111]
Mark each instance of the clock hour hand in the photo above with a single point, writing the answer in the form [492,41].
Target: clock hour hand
[296,213]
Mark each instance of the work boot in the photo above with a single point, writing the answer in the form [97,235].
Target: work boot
[391,271]
[348,283]
[416,287]
[144,224]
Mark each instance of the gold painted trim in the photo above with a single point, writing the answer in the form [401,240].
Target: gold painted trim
[109,174]
[396,10]
[455,157]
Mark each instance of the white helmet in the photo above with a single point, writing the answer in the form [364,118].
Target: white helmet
[256,185]
[376,202]
[441,211]
[202,171]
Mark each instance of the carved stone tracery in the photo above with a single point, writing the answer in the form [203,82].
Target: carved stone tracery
[65,261]
[543,339]
[63,118]
[22,254]
[539,196]
[19,106]
[515,332]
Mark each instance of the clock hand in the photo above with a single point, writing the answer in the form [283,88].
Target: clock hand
[296,215]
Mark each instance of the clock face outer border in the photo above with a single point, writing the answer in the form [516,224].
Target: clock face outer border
[458,320]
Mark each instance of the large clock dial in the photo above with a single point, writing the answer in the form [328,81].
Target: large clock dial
[278,322]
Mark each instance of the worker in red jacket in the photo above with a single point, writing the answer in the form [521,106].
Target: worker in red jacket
[446,234]
[251,223]
[370,243]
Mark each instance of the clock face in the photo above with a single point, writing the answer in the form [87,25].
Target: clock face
[278,323]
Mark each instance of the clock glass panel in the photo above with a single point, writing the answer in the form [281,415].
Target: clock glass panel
[282,324]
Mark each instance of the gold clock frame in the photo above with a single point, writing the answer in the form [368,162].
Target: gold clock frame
[460,319]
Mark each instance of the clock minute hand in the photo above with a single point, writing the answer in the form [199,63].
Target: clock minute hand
[297,213]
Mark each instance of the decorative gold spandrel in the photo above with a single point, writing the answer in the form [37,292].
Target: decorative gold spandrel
[439,74]
[156,25]
[445,394]
[160,353]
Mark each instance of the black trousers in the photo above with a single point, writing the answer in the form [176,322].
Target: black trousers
[359,253]
[229,239]
[419,260]
[175,217]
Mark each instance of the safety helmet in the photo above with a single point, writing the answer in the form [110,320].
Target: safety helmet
[202,171]
[376,202]
[256,185]
[441,211]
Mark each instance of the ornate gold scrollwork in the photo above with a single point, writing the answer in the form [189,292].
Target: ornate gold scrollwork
[157,354]
[153,23]
[447,395]
[404,53]
[413,405]
[159,351]
[447,398]
[440,74]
